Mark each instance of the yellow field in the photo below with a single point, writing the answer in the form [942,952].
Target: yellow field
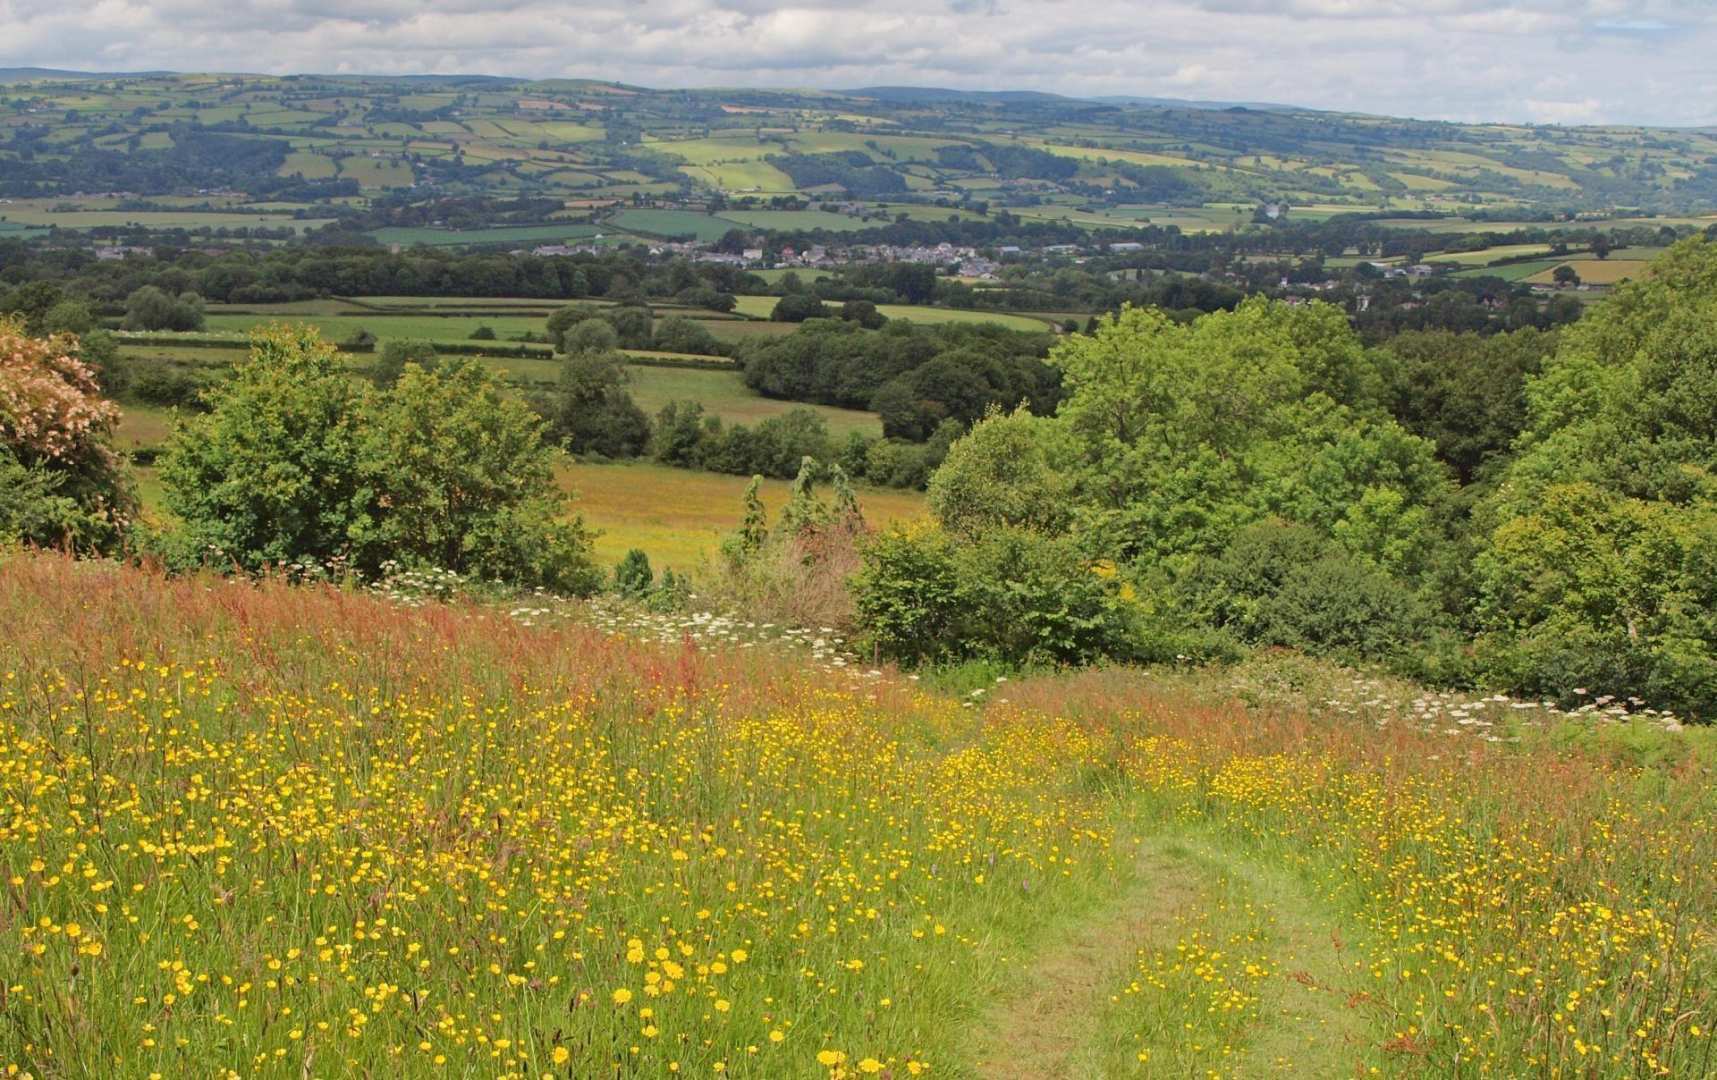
[1595,271]
[760,307]
[263,830]
[678,516]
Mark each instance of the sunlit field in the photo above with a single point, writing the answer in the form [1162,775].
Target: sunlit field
[678,516]
[299,831]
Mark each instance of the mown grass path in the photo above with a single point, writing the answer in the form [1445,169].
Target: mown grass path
[1067,1021]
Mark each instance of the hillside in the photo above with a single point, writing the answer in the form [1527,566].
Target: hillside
[287,831]
[292,142]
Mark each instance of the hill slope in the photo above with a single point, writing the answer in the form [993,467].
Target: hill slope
[577,139]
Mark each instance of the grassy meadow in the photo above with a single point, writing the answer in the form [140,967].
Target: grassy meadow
[678,516]
[290,831]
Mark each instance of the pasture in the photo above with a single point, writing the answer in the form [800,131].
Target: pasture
[678,516]
[530,235]
[760,307]
[1611,271]
[337,328]
[724,394]
[45,217]
[673,224]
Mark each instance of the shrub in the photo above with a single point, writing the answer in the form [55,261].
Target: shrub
[272,472]
[396,354]
[464,482]
[297,461]
[1000,473]
[1283,584]
[682,335]
[149,308]
[796,572]
[168,387]
[632,323]
[908,596]
[592,413]
[632,575]
[591,335]
[1598,591]
[1013,595]
[61,484]
[483,333]
[797,307]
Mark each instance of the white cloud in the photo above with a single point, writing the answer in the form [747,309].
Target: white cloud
[1542,60]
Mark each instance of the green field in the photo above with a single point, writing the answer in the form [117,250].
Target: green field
[797,219]
[1488,255]
[724,394]
[569,233]
[673,223]
[384,326]
[760,307]
[1610,271]
[154,219]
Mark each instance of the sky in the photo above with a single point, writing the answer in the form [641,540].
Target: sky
[1546,61]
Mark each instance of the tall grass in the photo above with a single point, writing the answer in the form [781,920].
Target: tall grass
[297,831]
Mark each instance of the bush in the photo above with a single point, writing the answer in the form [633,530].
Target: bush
[297,461]
[483,333]
[1000,473]
[273,472]
[797,307]
[632,575]
[1012,595]
[685,336]
[592,413]
[1592,590]
[61,484]
[1284,584]
[149,308]
[591,335]
[168,387]
[909,598]
[797,572]
[464,482]
[396,354]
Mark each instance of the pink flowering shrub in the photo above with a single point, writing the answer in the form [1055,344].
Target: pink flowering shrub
[64,485]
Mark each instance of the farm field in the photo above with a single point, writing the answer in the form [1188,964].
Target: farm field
[155,219]
[553,137]
[759,307]
[673,223]
[571,232]
[798,219]
[678,516]
[388,326]
[1488,255]
[305,825]
[1519,271]
[1610,271]
[724,394]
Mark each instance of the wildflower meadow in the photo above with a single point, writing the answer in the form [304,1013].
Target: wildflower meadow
[256,829]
